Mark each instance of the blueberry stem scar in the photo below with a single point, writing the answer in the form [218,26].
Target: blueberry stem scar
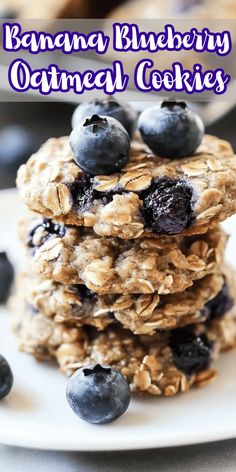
[97,369]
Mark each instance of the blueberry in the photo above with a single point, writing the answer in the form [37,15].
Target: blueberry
[6,277]
[53,228]
[84,292]
[191,352]
[6,377]
[221,304]
[50,228]
[98,394]
[84,193]
[167,206]
[16,146]
[100,145]
[125,114]
[171,129]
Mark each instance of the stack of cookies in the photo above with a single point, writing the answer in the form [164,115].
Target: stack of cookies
[125,255]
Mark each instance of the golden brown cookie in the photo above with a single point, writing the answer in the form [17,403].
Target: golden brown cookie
[198,191]
[141,314]
[164,364]
[74,255]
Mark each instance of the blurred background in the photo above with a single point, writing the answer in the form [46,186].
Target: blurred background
[120,9]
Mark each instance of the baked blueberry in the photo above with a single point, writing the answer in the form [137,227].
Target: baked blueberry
[98,394]
[49,228]
[85,195]
[6,377]
[124,113]
[84,292]
[171,129]
[221,304]
[191,352]
[17,144]
[82,192]
[6,277]
[167,206]
[100,145]
[53,228]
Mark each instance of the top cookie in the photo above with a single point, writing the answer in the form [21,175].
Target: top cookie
[151,195]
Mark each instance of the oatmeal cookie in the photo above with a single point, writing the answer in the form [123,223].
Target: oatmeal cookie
[189,195]
[141,314]
[74,255]
[163,364]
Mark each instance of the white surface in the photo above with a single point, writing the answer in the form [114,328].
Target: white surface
[37,415]
[213,457]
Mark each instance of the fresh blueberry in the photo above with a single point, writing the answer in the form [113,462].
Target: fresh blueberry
[171,129]
[125,114]
[16,146]
[100,145]
[98,394]
[50,228]
[6,277]
[84,293]
[221,304]
[167,206]
[191,352]
[6,377]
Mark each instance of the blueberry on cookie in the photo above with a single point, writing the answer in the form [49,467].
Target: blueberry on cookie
[100,145]
[171,129]
[124,113]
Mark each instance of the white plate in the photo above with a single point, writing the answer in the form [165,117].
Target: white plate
[36,413]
